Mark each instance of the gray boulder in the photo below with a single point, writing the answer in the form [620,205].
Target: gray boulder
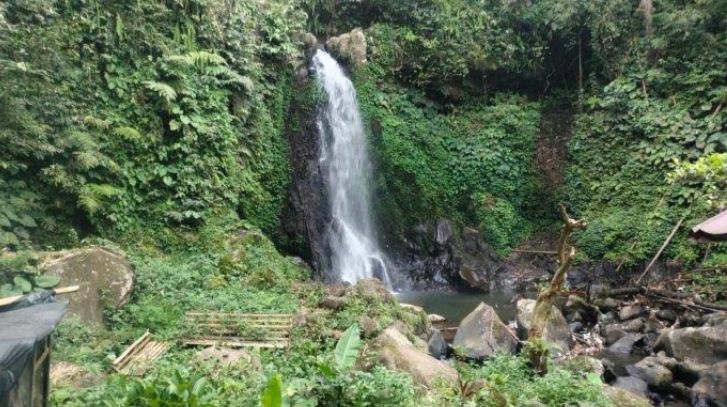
[633,385]
[630,311]
[704,345]
[436,345]
[481,334]
[612,333]
[105,278]
[396,352]
[556,330]
[626,344]
[712,384]
[651,371]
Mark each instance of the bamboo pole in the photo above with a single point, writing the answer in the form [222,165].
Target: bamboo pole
[661,249]
[62,290]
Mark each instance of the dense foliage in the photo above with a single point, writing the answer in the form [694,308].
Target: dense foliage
[119,115]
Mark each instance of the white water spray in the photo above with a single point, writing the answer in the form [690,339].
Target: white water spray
[345,164]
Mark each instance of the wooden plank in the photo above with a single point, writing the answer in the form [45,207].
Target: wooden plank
[235,344]
[131,348]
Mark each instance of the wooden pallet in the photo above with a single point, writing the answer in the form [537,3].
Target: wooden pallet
[139,356]
[238,330]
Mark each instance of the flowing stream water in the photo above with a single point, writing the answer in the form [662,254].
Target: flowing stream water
[347,169]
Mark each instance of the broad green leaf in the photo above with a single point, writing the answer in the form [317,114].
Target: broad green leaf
[22,284]
[347,348]
[273,395]
[47,281]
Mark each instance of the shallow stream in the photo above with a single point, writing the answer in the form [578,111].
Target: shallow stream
[456,305]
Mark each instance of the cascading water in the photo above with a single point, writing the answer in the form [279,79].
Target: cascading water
[345,165]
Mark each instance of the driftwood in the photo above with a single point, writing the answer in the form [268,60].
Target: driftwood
[683,299]
[661,249]
[544,303]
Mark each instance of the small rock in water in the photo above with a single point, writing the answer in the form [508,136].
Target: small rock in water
[626,344]
[613,333]
[607,304]
[630,311]
[634,325]
[437,346]
[667,315]
[435,319]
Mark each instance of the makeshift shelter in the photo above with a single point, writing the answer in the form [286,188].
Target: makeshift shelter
[713,229]
[25,328]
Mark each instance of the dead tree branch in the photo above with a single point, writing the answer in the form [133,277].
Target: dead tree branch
[544,303]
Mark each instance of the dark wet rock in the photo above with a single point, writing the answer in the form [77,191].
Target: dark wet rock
[607,318]
[612,333]
[437,345]
[651,371]
[712,384]
[396,352]
[106,279]
[556,330]
[439,256]
[630,311]
[666,314]
[632,384]
[575,326]
[609,370]
[703,345]
[634,325]
[436,320]
[607,304]
[481,334]
[626,343]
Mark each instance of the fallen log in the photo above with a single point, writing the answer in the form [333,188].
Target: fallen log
[679,298]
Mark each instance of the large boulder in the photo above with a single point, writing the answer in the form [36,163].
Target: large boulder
[396,352]
[481,334]
[652,370]
[704,345]
[105,278]
[712,384]
[350,46]
[556,330]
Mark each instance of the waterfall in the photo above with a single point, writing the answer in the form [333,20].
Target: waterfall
[344,161]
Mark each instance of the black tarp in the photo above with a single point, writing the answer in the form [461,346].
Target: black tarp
[23,324]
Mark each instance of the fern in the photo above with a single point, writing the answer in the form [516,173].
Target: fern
[347,348]
[92,196]
[162,89]
[127,133]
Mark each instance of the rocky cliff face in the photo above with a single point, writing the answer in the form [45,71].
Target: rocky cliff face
[436,255]
[305,215]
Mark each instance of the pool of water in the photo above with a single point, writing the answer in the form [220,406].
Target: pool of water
[455,306]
